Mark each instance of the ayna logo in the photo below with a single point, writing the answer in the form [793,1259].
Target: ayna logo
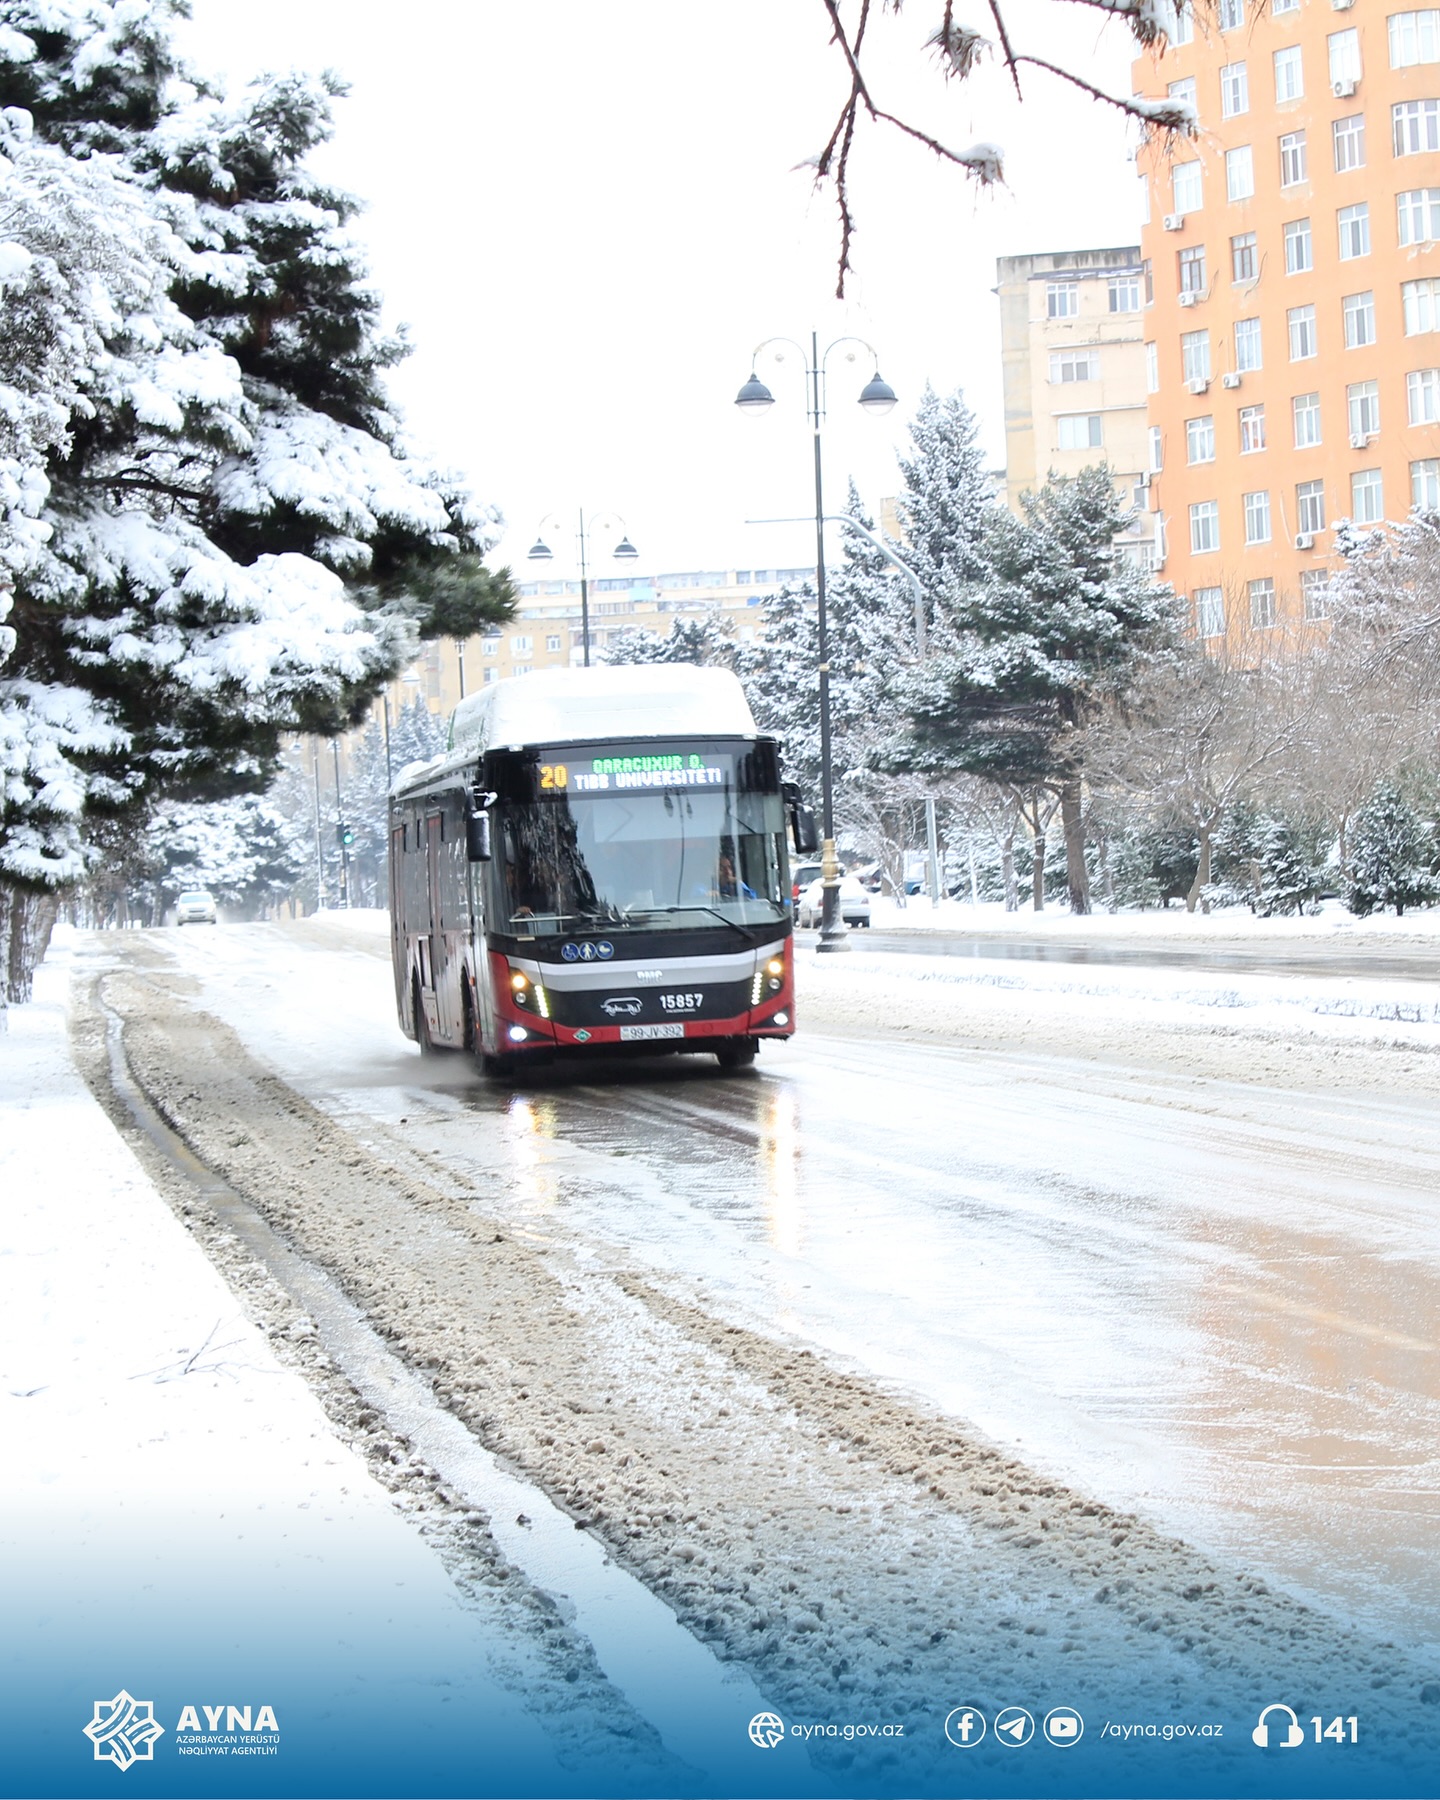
[124,1731]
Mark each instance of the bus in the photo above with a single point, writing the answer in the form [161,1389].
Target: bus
[598,865]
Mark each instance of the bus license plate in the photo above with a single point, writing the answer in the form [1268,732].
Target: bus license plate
[632,1034]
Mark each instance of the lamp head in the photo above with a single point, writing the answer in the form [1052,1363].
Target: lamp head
[540,551]
[878,396]
[754,396]
[626,550]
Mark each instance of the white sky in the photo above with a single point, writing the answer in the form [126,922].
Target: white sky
[589,214]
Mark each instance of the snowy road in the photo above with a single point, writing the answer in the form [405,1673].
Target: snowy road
[1206,1301]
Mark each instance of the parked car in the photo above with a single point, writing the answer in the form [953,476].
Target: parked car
[197,907]
[801,875]
[854,903]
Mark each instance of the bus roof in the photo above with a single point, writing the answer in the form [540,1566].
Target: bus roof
[569,706]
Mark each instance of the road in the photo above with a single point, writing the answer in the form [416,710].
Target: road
[1137,1321]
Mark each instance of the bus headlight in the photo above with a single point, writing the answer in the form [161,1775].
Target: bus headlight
[525,992]
[518,1034]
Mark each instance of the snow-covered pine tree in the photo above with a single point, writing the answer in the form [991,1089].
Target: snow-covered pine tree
[214,460]
[1391,856]
[1057,627]
[781,678]
[244,850]
[945,505]
[703,642]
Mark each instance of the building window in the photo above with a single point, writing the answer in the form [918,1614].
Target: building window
[1195,355]
[1062,299]
[1204,527]
[1074,365]
[1247,345]
[1184,32]
[1147,270]
[1186,187]
[1419,215]
[1080,431]
[1293,163]
[1261,595]
[1359,315]
[522,669]
[553,642]
[1310,506]
[1192,270]
[490,647]
[1306,408]
[1421,301]
[1257,517]
[1157,449]
[1252,429]
[1124,293]
[1315,593]
[1344,56]
[1348,138]
[1354,224]
[1244,265]
[1422,396]
[492,675]
[1184,92]
[1301,320]
[1414,38]
[1232,14]
[1416,126]
[1362,400]
[520,646]
[1299,249]
[1200,440]
[1209,612]
[1425,484]
[1152,368]
[1234,90]
[1283,6]
[1239,173]
[1289,75]
[1367,497]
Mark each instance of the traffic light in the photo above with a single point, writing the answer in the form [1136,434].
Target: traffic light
[346,834]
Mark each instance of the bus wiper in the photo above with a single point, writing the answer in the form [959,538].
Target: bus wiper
[734,924]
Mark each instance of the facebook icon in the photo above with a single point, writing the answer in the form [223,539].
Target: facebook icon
[965,1727]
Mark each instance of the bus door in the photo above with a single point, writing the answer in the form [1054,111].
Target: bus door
[435,959]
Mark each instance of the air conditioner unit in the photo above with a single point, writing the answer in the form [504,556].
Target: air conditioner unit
[1230,379]
[1304,540]
[1341,5]
[1342,90]
[1174,221]
[1200,385]
[1142,482]
[1359,440]
[1188,299]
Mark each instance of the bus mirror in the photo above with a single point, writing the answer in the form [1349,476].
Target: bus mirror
[802,830]
[477,837]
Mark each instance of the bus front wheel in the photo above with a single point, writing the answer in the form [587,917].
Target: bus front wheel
[737,1053]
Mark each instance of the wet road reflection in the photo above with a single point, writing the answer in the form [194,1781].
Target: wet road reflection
[1212,1303]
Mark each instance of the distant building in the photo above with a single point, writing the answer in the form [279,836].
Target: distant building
[1073,364]
[1291,323]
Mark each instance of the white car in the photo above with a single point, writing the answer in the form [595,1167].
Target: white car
[196,907]
[854,903]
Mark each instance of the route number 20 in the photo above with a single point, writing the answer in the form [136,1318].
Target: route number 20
[554,775]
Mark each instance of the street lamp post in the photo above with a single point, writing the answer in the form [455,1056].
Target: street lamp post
[624,551]
[877,396]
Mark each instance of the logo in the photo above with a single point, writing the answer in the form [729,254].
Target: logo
[1293,1734]
[767,1730]
[619,1006]
[582,1037]
[571,952]
[965,1727]
[124,1731]
[1064,1727]
[1014,1726]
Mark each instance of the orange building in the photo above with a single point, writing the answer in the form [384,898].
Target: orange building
[1293,269]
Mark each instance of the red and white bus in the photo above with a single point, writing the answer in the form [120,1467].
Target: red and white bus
[598,865]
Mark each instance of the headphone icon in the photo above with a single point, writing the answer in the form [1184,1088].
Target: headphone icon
[1293,1734]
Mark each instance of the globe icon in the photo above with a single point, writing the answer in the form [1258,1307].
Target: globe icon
[766,1730]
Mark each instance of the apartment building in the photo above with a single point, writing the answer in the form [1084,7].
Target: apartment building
[1292,266]
[546,630]
[1072,331]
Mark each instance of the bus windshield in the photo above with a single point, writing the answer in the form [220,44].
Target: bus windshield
[653,860]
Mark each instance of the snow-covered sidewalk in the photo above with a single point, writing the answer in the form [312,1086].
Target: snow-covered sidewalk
[181,1521]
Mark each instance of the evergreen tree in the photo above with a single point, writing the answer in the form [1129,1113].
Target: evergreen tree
[1057,627]
[781,678]
[210,449]
[945,505]
[1391,856]
[703,642]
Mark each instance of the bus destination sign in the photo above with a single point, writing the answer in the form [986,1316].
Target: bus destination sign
[658,769]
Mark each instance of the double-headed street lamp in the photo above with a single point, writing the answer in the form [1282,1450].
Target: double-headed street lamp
[877,396]
[624,551]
